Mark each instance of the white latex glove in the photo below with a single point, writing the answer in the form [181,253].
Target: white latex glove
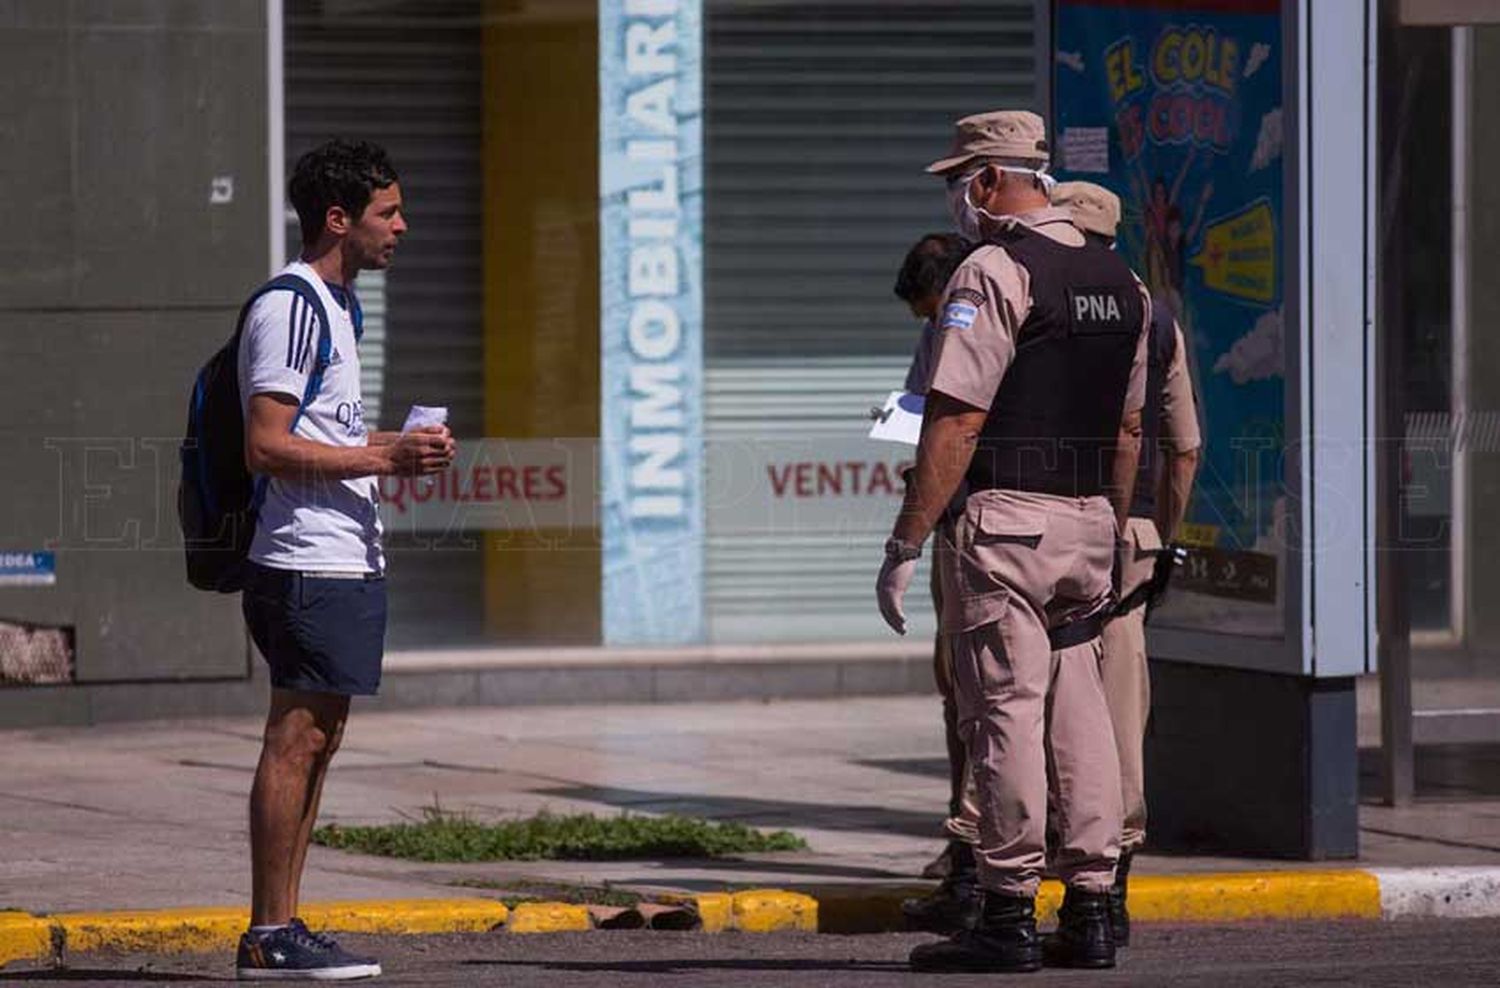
[890,590]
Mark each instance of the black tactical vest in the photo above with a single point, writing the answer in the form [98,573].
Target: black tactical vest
[1055,421]
[1162,349]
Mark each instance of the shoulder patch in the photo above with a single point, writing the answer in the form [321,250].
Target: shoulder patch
[958,315]
[972,296]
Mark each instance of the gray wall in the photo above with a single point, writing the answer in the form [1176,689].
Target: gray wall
[119,275]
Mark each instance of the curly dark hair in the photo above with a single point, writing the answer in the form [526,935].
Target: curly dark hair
[928,266]
[337,173]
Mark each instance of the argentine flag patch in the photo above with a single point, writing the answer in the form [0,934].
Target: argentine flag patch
[958,315]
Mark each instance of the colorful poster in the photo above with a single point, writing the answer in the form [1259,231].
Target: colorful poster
[651,247]
[1176,106]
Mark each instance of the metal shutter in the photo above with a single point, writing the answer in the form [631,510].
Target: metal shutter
[407,75]
[819,118]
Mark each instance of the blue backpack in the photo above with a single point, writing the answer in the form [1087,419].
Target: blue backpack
[218,501]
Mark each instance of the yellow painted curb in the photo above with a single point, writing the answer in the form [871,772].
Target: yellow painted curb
[24,937]
[1180,898]
[852,909]
[408,916]
[1050,896]
[1347,894]
[548,917]
[716,910]
[177,931]
[166,931]
[770,911]
[1275,895]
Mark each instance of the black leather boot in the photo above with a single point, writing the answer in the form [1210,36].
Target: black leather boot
[1119,913]
[1083,937]
[954,905]
[1005,941]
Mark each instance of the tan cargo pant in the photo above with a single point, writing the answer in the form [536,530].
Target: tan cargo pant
[961,822]
[1034,721]
[1127,680]
[1127,691]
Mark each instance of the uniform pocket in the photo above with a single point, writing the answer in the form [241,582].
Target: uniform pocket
[1019,525]
[1002,547]
[1137,558]
[1144,537]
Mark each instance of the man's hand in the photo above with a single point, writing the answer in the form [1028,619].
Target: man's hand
[949,431]
[890,589]
[421,451]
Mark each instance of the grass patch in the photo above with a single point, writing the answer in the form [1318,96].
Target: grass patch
[445,836]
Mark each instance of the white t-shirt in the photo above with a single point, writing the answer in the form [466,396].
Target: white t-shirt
[331,525]
[920,371]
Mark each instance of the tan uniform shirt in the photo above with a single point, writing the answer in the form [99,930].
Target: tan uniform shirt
[984,306]
[1179,411]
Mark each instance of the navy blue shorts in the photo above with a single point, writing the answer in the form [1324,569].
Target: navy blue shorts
[318,634]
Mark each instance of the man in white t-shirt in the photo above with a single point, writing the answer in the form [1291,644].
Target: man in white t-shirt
[315,597]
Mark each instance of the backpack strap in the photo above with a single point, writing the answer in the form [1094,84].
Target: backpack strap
[309,294]
[300,286]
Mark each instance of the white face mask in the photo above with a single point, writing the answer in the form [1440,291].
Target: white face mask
[967,218]
[971,221]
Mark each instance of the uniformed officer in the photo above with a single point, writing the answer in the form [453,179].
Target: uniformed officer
[1035,400]
[956,902]
[1170,441]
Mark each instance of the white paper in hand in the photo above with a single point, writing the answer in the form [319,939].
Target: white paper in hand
[424,416]
[900,421]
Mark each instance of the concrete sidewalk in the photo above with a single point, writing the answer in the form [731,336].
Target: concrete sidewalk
[142,816]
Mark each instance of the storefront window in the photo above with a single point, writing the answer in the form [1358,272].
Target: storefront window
[1440,225]
[795,135]
[819,120]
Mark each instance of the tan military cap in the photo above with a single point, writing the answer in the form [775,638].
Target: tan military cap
[997,134]
[1095,209]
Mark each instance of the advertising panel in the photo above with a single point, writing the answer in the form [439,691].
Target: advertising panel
[651,226]
[1177,106]
[499,485]
[841,487]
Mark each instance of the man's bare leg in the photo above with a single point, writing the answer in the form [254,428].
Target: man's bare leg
[335,732]
[302,729]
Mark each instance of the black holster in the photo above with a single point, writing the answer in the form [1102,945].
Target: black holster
[1151,593]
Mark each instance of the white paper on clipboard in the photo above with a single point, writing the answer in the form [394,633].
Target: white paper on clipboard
[900,421]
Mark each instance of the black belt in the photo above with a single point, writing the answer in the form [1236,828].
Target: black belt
[1079,632]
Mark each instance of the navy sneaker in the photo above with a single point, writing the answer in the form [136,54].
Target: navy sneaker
[295,953]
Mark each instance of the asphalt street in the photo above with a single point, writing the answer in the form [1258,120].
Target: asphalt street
[1448,953]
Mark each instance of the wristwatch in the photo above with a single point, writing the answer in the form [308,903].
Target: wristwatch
[901,552]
